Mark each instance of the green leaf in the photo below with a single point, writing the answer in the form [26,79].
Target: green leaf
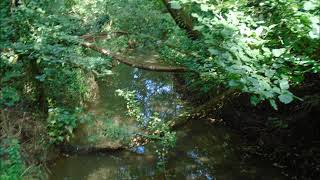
[227,32]
[286,97]
[278,52]
[198,28]
[310,5]
[41,78]
[214,51]
[254,100]
[315,28]
[269,73]
[175,5]
[233,83]
[276,90]
[284,84]
[204,7]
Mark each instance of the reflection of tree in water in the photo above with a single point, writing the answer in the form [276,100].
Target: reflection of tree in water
[129,166]
[154,91]
[120,172]
[156,94]
[124,165]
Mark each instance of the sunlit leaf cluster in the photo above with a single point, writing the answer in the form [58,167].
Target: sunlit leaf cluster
[258,47]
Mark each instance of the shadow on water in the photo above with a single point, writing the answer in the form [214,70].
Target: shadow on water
[202,151]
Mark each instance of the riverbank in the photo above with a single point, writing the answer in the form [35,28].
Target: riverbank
[289,137]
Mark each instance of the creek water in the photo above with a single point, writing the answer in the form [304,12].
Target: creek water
[202,151]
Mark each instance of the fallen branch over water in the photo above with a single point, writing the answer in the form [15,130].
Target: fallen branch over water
[122,59]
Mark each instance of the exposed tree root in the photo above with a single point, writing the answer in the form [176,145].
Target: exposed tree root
[213,105]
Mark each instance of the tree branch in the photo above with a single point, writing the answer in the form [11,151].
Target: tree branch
[121,59]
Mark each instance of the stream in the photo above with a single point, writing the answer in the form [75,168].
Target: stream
[202,151]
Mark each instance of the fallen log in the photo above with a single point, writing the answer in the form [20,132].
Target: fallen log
[105,36]
[122,59]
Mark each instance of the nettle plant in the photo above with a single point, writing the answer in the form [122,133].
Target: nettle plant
[258,47]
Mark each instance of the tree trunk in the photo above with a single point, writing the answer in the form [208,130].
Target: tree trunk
[39,87]
[182,19]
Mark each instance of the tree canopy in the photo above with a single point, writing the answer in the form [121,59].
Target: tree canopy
[257,47]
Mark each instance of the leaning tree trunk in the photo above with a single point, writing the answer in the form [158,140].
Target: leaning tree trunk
[182,19]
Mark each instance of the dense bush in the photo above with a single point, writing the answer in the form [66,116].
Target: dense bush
[11,164]
[259,47]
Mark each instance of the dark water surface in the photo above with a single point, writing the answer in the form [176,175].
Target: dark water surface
[202,151]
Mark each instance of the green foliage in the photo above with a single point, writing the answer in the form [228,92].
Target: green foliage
[158,129]
[258,47]
[162,129]
[167,137]
[61,124]
[40,50]
[116,132]
[68,87]
[8,97]
[133,105]
[10,72]
[143,21]
[11,164]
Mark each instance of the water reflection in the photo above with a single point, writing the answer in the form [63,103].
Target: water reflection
[202,151]
[154,91]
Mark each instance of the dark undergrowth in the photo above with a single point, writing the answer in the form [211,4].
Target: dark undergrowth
[288,137]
